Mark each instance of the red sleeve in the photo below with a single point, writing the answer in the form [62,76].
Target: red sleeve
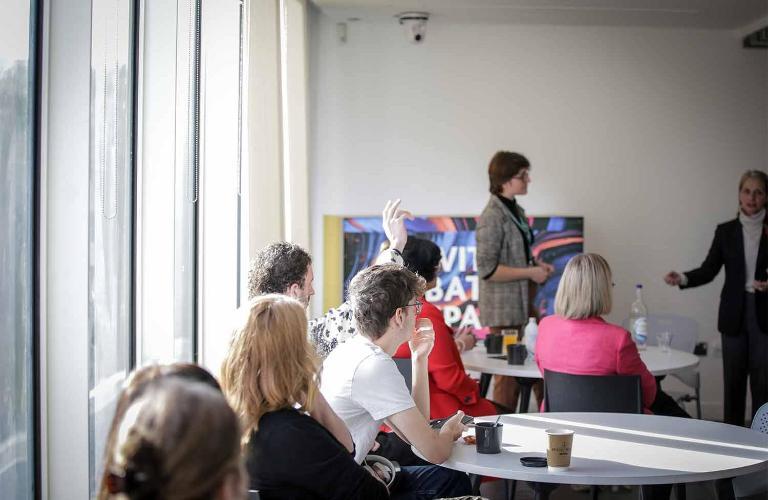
[629,363]
[444,365]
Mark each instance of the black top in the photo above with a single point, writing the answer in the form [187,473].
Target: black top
[728,250]
[292,456]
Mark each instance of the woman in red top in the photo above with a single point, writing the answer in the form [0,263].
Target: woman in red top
[450,388]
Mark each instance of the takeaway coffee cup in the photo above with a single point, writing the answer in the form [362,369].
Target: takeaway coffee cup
[559,444]
[493,343]
[516,354]
[488,437]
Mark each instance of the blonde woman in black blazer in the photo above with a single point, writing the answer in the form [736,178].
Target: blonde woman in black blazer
[741,246]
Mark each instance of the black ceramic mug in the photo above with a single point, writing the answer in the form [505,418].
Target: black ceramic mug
[493,343]
[488,437]
[516,354]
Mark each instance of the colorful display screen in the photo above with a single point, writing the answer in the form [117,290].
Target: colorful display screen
[556,240]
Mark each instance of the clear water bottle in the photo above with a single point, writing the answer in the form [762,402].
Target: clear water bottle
[529,336]
[638,319]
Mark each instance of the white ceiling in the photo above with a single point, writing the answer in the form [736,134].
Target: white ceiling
[707,14]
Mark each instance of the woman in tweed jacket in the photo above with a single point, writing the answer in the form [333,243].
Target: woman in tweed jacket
[505,263]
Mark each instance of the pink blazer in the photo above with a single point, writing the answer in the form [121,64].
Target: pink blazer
[591,347]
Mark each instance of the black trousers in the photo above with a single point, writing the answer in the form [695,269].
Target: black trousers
[745,356]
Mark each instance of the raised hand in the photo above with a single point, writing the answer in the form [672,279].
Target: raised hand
[423,338]
[673,278]
[393,222]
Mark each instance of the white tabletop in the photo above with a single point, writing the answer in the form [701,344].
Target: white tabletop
[658,362]
[613,448]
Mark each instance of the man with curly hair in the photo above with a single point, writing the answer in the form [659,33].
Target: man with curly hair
[283,268]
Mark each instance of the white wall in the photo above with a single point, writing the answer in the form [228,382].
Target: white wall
[644,132]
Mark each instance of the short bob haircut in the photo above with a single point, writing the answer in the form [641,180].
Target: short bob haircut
[270,364]
[505,165]
[422,257]
[585,288]
[376,293]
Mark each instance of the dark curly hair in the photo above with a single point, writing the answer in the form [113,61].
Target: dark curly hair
[377,292]
[276,267]
[422,257]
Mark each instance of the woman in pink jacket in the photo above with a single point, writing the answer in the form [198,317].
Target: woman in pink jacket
[577,340]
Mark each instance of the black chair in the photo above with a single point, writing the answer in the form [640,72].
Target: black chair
[592,393]
[406,370]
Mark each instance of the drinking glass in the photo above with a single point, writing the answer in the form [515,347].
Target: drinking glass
[664,339]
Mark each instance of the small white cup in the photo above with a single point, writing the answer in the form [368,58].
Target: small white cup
[664,339]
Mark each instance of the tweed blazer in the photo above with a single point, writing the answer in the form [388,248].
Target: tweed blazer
[499,242]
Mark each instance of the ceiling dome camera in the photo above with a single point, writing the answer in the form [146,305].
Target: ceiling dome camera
[414,24]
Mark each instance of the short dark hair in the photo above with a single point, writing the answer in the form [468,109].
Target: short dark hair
[422,257]
[377,292]
[276,267]
[505,165]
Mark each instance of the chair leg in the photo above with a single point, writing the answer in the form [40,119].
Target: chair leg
[474,481]
[595,491]
[698,403]
[680,491]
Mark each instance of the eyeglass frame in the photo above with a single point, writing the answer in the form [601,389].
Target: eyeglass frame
[418,305]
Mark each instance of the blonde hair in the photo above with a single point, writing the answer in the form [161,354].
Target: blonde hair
[179,440]
[585,288]
[270,364]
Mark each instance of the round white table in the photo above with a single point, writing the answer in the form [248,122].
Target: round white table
[658,363]
[620,449]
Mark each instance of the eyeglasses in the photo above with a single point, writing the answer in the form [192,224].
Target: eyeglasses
[417,305]
[524,176]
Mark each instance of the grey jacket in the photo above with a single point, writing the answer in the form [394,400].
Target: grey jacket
[499,242]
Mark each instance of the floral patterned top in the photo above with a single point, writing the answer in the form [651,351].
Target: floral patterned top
[338,325]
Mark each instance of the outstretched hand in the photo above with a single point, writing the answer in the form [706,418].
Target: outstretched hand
[673,278]
[393,221]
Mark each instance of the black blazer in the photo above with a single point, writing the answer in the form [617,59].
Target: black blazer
[728,250]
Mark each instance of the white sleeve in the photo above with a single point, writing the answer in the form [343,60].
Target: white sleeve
[388,256]
[379,387]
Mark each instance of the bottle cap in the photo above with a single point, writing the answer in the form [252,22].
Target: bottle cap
[639,285]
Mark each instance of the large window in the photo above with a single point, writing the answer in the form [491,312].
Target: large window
[110,233]
[168,188]
[17,111]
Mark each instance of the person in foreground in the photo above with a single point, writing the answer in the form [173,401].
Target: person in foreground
[179,440]
[450,388]
[577,340]
[135,386]
[364,387]
[295,445]
[741,246]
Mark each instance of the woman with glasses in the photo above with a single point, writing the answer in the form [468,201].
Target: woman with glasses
[450,388]
[505,264]
[741,246]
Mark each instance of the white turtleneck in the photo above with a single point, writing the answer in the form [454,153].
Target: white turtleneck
[752,227]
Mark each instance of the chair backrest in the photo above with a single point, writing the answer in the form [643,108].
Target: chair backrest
[592,393]
[406,370]
[684,330]
[760,422]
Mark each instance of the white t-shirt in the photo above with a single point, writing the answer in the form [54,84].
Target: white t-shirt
[363,386]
